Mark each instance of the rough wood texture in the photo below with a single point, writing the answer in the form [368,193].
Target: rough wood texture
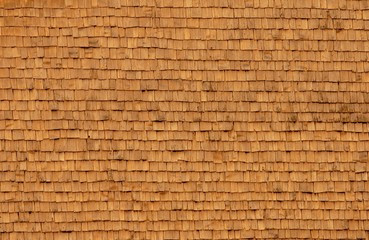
[184,119]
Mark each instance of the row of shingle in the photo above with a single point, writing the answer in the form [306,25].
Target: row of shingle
[307,4]
[84,176]
[144,84]
[287,52]
[150,99]
[35,132]
[196,110]
[119,37]
[108,200]
[228,70]
[357,154]
[178,59]
[132,233]
[96,23]
[186,12]
[222,214]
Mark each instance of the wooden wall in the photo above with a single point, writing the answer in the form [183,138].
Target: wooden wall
[184,119]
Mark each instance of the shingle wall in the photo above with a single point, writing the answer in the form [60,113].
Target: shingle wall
[184,119]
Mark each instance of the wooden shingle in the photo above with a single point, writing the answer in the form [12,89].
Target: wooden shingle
[184,119]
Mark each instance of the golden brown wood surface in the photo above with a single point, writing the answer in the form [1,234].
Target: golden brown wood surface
[184,119]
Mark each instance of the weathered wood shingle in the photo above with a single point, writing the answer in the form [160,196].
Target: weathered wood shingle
[184,119]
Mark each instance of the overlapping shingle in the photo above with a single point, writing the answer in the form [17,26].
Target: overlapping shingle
[184,119]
